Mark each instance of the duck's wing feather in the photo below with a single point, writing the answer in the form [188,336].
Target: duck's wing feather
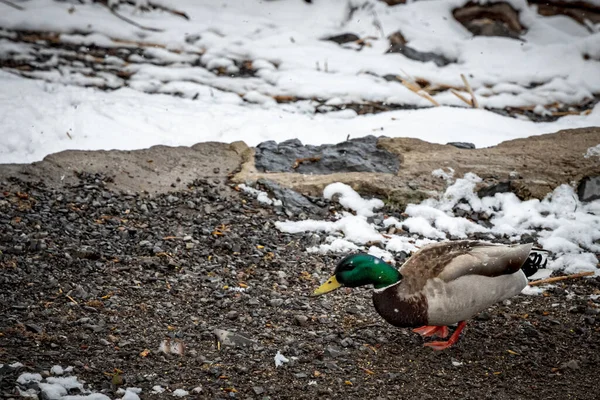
[451,260]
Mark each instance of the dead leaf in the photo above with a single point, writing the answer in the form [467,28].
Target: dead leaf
[145,353]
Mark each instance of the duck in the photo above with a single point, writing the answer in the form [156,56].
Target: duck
[440,285]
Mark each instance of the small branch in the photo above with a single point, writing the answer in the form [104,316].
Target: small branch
[171,10]
[470,90]
[413,87]
[129,21]
[305,160]
[561,278]
[13,5]
[460,96]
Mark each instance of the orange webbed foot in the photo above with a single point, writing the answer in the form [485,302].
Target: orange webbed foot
[439,331]
[452,340]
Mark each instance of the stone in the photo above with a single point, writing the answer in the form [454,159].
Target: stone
[258,390]
[589,188]
[354,155]
[292,200]
[490,191]
[276,302]
[497,19]
[301,320]
[343,38]
[423,56]
[462,145]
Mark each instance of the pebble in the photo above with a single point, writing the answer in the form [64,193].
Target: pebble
[276,302]
[301,320]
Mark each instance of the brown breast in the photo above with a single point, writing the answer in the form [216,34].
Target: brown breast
[400,311]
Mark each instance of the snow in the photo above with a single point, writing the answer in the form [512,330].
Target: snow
[261,196]
[57,370]
[568,228]
[180,393]
[53,391]
[68,382]
[131,394]
[593,152]
[352,200]
[283,42]
[280,359]
[57,388]
[440,173]
[27,377]
[157,389]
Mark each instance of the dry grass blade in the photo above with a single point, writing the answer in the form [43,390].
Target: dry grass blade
[413,87]
[460,96]
[561,278]
[470,90]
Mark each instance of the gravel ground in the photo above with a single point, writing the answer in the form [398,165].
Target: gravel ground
[98,280]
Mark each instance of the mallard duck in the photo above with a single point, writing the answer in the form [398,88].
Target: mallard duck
[441,284]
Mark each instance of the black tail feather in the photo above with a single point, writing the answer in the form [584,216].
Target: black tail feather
[538,258]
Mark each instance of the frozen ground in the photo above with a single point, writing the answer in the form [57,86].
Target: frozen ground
[254,71]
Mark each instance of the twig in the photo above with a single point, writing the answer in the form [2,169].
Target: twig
[470,90]
[305,160]
[413,87]
[129,21]
[13,5]
[460,96]
[561,278]
[72,299]
[171,10]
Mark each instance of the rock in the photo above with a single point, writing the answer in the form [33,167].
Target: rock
[232,314]
[423,56]
[397,38]
[258,390]
[332,351]
[301,320]
[292,200]
[227,338]
[589,188]
[355,155]
[462,145]
[276,302]
[497,19]
[571,364]
[490,191]
[584,12]
[343,38]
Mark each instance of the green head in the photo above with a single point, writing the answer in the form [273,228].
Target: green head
[360,270]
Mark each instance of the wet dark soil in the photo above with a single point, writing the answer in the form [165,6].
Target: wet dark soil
[97,280]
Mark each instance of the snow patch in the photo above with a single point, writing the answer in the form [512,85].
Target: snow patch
[352,200]
[280,359]
[180,393]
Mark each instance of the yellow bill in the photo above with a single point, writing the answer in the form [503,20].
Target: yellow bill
[329,285]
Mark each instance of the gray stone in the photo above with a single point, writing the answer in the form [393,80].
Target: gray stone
[589,188]
[423,56]
[343,38]
[276,302]
[355,155]
[292,200]
[301,320]
[258,389]
[462,145]
[489,191]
